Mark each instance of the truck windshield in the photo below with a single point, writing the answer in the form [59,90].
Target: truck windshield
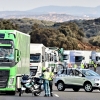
[97,58]
[65,57]
[78,58]
[6,54]
[34,58]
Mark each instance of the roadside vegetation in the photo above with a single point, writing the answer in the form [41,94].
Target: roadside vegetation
[68,35]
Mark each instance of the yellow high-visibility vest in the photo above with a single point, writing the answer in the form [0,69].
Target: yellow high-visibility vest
[51,75]
[95,65]
[75,66]
[46,75]
[82,66]
[43,68]
[92,62]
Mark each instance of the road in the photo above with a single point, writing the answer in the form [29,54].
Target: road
[68,94]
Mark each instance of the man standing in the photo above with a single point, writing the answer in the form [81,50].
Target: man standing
[46,75]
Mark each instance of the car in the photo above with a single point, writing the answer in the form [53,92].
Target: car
[76,79]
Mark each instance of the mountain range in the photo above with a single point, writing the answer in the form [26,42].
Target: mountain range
[77,12]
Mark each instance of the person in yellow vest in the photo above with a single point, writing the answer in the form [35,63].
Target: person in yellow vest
[95,67]
[51,81]
[82,65]
[46,76]
[92,63]
[75,66]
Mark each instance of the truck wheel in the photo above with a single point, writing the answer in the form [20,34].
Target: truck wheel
[76,89]
[88,87]
[60,86]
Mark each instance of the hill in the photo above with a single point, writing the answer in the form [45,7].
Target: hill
[67,35]
[93,12]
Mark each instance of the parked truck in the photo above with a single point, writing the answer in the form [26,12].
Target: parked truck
[37,59]
[73,57]
[14,59]
[51,58]
[95,56]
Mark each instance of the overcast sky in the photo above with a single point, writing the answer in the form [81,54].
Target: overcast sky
[7,5]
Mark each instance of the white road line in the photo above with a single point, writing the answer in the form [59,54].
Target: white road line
[56,95]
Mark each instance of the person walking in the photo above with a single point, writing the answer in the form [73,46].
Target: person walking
[51,81]
[46,75]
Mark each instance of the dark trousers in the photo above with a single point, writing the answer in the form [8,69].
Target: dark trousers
[94,69]
[51,86]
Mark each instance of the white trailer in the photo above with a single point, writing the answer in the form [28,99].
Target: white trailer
[37,59]
[95,56]
[73,57]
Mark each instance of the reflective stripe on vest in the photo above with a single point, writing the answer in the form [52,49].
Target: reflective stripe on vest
[95,65]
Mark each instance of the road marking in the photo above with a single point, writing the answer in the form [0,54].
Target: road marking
[56,95]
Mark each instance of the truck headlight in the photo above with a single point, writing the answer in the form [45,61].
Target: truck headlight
[11,80]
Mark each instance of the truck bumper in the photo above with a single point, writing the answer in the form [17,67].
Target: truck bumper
[7,89]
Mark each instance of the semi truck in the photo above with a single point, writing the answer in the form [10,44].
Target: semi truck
[40,56]
[37,59]
[55,61]
[73,57]
[51,58]
[14,59]
[81,56]
[95,56]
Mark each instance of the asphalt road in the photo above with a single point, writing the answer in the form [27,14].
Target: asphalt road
[68,94]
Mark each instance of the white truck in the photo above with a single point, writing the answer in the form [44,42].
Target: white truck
[95,56]
[76,57]
[51,58]
[37,59]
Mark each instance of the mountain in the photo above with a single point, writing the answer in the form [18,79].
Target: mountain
[42,13]
[71,10]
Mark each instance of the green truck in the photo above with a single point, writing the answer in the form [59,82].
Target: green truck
[14,59]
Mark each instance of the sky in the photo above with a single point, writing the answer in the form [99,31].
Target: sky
[22,5]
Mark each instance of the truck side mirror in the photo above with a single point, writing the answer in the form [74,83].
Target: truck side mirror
[83,58]
[18,53]
[42,58]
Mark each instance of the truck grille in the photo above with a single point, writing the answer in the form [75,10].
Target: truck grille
[33,72]
[4,76]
